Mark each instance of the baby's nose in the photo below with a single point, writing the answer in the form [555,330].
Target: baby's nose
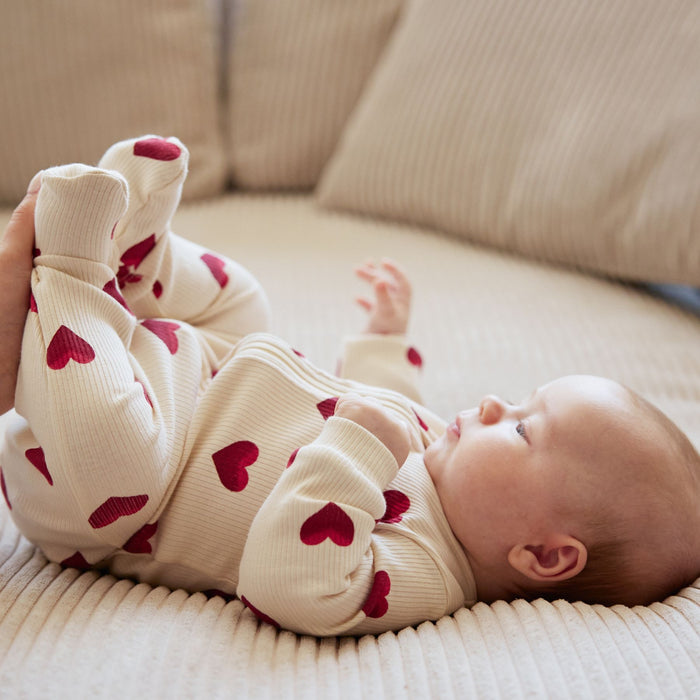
[491,409]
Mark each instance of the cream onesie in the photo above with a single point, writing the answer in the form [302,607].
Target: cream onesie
[162,436]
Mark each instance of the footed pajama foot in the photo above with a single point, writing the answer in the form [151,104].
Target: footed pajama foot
[77,210]
[155,169]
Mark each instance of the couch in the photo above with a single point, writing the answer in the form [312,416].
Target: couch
[535,167]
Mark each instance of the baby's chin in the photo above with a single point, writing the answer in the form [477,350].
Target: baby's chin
[431,457]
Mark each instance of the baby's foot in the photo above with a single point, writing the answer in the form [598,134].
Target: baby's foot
[155,169]
[77,210]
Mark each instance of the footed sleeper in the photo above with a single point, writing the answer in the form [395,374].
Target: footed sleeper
[163,434]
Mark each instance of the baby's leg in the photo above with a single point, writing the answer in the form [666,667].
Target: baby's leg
[163,275]
[106,398]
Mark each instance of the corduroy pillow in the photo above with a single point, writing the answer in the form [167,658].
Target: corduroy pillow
[77,76]
[568,131]
[296,70]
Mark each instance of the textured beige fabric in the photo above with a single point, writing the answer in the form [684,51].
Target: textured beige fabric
[78,76]
[567,131]
[296,69]
[484,321]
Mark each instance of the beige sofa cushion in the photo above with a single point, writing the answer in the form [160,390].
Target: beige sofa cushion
[566,131]
[296,70]
[78,76]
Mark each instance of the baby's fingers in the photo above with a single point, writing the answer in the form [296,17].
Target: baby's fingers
[397,273]
[365,303]
[367,271]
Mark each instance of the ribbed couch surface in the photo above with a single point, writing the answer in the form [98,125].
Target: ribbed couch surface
[484,322]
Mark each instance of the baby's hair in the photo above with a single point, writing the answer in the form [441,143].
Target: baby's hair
[614,574]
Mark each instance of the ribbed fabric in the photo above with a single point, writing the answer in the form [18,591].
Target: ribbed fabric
[485,322]
[78,76]
[296,69]
[566,131]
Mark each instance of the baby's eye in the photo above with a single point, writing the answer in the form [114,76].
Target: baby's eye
[520,429]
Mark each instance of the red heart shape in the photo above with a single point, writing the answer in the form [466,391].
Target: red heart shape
[134,256]
[157,149]
[112,289]
[376,604]
[165,330]
[331,521]
[3,488]
[397,504]
[36,456]
[145,393]
[232,461]
[76,561]
[421,422]
[116,507]
[327,407]
[414,357]
[157,289]
[216,267]
[292,457]
[258,613]
[65,346]
[138,543]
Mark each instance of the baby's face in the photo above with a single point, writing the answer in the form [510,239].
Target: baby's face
[502,471]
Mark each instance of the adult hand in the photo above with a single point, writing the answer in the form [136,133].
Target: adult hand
[16,254]
[387,427]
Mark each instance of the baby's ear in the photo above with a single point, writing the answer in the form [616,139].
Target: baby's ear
[558,558]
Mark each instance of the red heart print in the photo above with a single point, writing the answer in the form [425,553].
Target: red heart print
[376,604]
[414,357]
[421,422]
[157,289]
[32,304]
[397,504]
[134,256]
[157,149]
[145,393]
[258,613]
[165,330]
[292,457]
[112,289]
[65,346]
[138,543]
[126,276]
[327,407]
[36,457]
[76,561]
[216,267]
[232,463]
[116,507]
[3,487]
[329,522]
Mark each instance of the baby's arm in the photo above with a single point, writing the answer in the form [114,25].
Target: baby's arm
[318,558]
[382,356]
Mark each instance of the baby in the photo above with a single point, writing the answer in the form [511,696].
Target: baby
[163,435]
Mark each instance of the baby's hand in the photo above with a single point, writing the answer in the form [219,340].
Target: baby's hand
[390,310]
[382,423]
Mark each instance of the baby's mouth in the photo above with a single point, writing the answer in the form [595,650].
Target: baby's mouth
[455,427]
